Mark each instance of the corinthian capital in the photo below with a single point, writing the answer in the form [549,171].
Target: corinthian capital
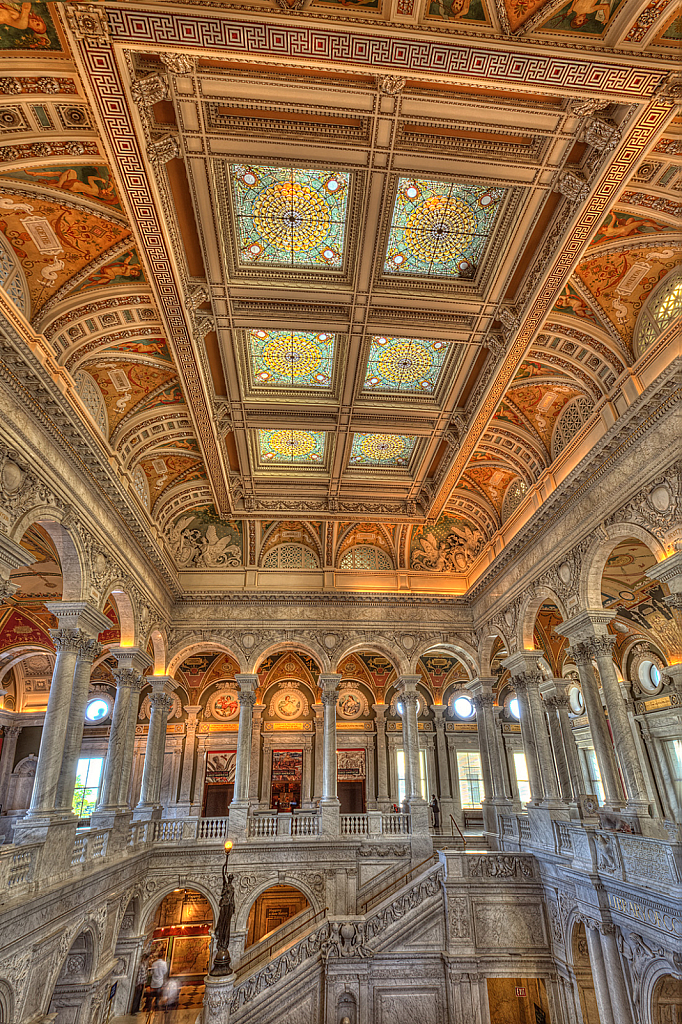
[67,640]
[162,703]
[128,677]
[89,650]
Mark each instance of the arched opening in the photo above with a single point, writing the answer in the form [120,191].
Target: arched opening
[273,908]
[71,998]
[582,969]
[666,1004]
[179,934]
[6,1003]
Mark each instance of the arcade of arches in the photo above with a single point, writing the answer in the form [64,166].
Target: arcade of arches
[341,511]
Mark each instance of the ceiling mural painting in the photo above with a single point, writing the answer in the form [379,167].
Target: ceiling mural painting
[290,217]
[457,10]
[587,17]
[542,405]
[440,228]
[125,385]
[491,481]
[627,225]
[547,640]
[571,303]
[87,180]
[627,590]
[163,471]
[621,282]
[125,269]
[28,26]
[53,243]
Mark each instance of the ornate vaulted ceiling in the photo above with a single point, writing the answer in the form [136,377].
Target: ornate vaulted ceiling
[328,274]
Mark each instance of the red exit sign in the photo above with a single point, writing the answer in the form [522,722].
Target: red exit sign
[521,991]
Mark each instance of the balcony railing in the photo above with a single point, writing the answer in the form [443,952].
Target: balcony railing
[354,825]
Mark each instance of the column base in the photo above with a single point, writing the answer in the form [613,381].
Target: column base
[419,816]
[217,999]
[238,819]
[106,817]
[330,813]
[148,812]
[57,838]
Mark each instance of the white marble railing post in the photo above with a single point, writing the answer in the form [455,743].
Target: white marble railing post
[601,648]
[239,808]
[329,803]
[161,701]
[184,800]
[383,798]
[9,748]
[66,784]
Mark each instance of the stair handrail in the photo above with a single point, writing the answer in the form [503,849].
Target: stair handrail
[456,826]
[398,883]
[266,951]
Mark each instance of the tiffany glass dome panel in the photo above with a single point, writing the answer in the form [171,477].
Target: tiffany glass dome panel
[440,228]
[292,447]
[382,450]
[405,364]
[291,359]
[289,217]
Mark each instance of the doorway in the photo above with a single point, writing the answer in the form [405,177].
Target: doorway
[351,793]
[217,800]
[286,778]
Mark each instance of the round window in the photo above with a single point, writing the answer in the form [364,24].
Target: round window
[463,707]
[97,710]
[575,700]
[400,709]
[649,676]
[514,709]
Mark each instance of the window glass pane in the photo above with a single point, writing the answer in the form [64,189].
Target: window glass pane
[86,793]
[471,791]
[94,771]
[521,769]
[422,772]
[673,749]
[593,773]
[401,776]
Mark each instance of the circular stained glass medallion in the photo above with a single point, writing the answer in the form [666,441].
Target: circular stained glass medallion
[291,217]
[440,229]
[292,443]
[383,447]
[404,361]
[292,356]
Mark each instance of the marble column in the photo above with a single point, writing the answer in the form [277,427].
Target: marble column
[521,683]
[557,740]
[9,748]
[562,705]
[620,1004]
[66,784]
[185,798]
[482,688]
[68,644]
[239,808]
[446,806]
[254,772]
[666,789]
[601,649]
[111,800]
[161,701]
[383,798]
[409,698]
[319,751]
[478,700]
[601,984]
[329,803]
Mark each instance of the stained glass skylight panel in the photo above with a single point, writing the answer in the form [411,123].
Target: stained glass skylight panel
[439,228]
[290,217]
[385,451]
[292,447]
[405,364]
[291,359]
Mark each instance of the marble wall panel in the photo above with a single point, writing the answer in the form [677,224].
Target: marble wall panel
[517,924]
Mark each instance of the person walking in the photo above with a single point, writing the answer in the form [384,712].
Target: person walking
[156,983]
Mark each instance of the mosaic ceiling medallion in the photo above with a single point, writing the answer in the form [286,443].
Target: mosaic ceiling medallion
[292,447]
[439,229]
[381,450]
[405,364]
[291,359]
[288,217]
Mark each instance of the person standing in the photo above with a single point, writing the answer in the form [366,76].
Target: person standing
[156,982]
[435,810]
[140,982]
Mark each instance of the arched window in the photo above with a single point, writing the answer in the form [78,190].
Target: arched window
[570,421]
[516,492]
[141,486]
[291,556]
[364,556]
[12,278]
[664,306]
[93,400]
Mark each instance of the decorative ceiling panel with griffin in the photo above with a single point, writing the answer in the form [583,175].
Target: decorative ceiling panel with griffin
[338,287]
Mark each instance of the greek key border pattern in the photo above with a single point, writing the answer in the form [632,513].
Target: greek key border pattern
[605,194]
[348,46]
[103,71]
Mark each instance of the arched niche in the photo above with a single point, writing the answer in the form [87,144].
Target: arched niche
[74,989]
[271,909]
[666,1000]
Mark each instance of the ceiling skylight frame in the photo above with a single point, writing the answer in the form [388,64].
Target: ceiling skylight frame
[264,467]
[451,363]
[418,443]
[252,389]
